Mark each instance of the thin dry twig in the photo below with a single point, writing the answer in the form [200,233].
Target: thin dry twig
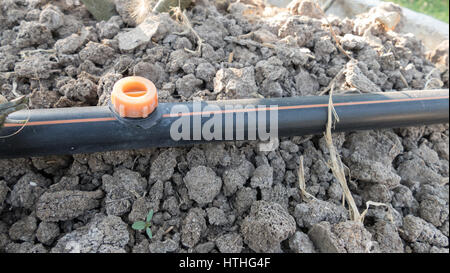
[402,78]
[333,34]
[184,20]
[231,56]
[333,81]
[248,42]
[168,230]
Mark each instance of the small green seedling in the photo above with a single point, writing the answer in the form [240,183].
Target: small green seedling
[141,225]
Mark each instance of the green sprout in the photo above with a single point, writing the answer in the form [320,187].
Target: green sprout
[141,225]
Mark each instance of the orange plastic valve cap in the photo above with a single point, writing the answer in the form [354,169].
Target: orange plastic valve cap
[134,97]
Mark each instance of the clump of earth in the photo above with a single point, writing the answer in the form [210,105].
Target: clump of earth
[228,197]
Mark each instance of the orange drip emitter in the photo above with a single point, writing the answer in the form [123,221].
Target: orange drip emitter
[134,97]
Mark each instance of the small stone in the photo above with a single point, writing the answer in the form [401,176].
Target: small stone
[32,34]
[171,205]
[416,229]
[177,59]
[103,234]
[152,71]
[141,35]
[205,71]
[83,90]
[188,85]
[182,43]
[229,243]
[353,42]
[370,155]
[278,194]
[66,183]
[25,247]
[216,216]
[193,227]
[344,237]
[403,198]
[232,181]
[142,247]
[315,211]
[203,184]
[27,190]
[205,247]
[47,232]
[434,210]
[244,199]
[306,84]
[262,177]
[377,193]
[97,53]
[24,229]
[440,54]
[51,17]
[163,166]
[300,243]
[357,79]
[166,246]
[267,225]
[36,67]
[236,83]
[66,205]
[122,189]
[386,234]
[323,48]
[141,208]
[109,29]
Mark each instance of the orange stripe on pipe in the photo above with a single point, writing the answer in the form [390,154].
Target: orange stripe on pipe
[65,121]
[300,106]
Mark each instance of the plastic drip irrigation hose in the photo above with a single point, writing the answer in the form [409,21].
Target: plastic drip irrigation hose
[98,129]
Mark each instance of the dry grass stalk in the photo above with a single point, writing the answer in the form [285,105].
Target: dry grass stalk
[302,183]
[336,163]
[376,204]
[338,169]
[181,17]
[231,56]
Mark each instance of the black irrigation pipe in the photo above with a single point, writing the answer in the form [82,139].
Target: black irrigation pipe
[97,129]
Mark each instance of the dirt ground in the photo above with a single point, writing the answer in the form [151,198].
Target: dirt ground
[58,54]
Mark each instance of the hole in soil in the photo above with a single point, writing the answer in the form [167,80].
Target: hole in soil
[134,89]
[258,194]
